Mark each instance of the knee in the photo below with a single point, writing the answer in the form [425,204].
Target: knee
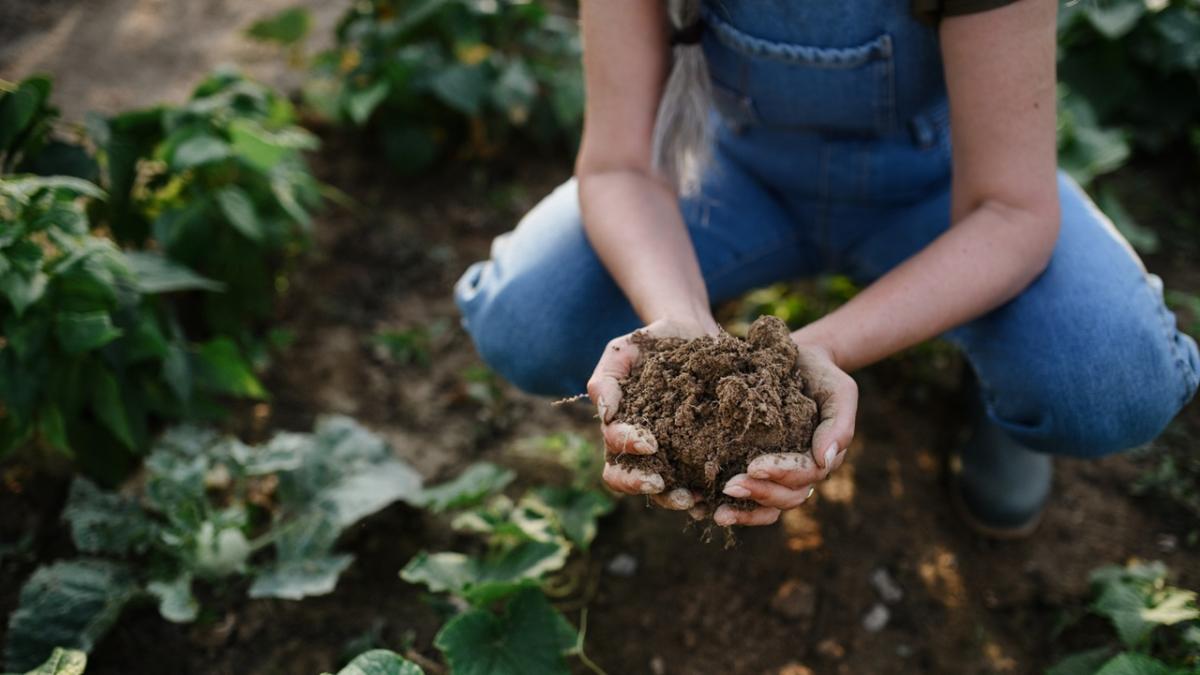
[515,331]
[1120,396]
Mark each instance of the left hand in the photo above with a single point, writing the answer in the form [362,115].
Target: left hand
[783,481]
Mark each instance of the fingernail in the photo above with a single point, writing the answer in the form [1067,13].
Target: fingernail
[651,486]
[736,491]
[759,473]
[681,498]
[841,457]
[811,490]
[724,518]
[643,447]
[830,455]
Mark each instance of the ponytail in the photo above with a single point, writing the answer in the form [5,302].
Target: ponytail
[682,135]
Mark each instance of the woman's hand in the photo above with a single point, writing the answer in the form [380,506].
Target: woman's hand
[604,388]
[784,481]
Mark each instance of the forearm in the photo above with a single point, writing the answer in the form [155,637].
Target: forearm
[980,263]
[633,222]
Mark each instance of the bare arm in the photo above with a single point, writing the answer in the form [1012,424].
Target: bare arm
[630,214]
[1000,72]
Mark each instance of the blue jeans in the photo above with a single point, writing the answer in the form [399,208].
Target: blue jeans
[1086,361]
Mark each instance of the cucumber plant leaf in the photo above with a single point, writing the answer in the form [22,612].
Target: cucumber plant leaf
[380,662]
[528,636]
[469,488]
[62,662]
[483,580]
[67,604]
[105,522]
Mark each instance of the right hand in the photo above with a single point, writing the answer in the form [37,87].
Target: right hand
[604,388]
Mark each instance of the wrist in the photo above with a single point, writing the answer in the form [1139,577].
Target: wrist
[813,337]
[696,315]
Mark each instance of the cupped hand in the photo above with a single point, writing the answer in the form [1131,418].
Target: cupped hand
[783,481]
[604,388]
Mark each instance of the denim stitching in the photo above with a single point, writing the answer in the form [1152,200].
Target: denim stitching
[820,57]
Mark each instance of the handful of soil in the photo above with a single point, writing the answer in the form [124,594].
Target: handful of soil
[715,403]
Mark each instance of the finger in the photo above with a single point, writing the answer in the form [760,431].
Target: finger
[621,438]
[837,402]
[615,363]
[767,493]
[679,499]
[631,481]
[790,469]
[726,516]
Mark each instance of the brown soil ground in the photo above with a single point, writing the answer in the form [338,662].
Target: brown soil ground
[715,403]
[789,600]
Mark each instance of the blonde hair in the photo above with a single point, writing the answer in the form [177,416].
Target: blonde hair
[682,147]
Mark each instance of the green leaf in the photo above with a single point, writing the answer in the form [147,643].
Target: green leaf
[1112,18]
[461,87]
[199,151]
[1132,663]
[222,369]
[362,102]
[1082,663]
[576,511]
[530,636]
[66,604]
[110,407]
[177,371]
[264,149]
[80,332]
[286,28]
[361,494]
[106,522]
[380,662]
[239,209]
[486,580]
[478,481]
[23,291]
[515,91]
[176,603]
[294,580]
[52,428]
[155,273]
[19,108]
[24,188]
[1173,606]
[62,662]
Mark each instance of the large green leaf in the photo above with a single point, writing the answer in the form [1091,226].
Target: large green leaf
[23,291]
[19,108]
[470,487]
[380,662]
[199,150]
[80,332]
[363,493]
[66,604]
[461,87]
[106,522]
[294,580]
[361,103]
[239,209]
[529,636]
[264,149]
[62,662]
[1113,19]
[221,368]
[155,273]
[487,579]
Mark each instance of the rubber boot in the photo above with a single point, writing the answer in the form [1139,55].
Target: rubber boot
[1000,485]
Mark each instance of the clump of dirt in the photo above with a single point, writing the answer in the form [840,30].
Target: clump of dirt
[715,403]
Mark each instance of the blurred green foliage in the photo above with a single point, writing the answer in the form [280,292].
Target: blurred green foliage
[434,78]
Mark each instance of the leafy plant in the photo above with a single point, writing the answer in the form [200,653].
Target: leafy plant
[431,77]
[525,544]
[86,357]
[27,141]
[1157,625]
[209,509]
[219,185]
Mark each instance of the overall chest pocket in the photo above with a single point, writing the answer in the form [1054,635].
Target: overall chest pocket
[788,85]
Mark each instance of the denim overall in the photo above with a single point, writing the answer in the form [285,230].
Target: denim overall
[832,155]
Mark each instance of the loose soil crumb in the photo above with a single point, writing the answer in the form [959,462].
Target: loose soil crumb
[715,403]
